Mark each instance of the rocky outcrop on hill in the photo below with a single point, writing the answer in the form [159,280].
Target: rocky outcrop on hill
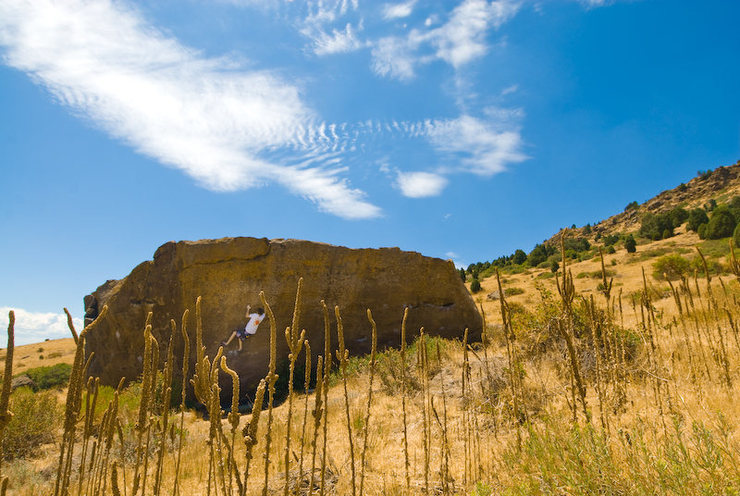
[720,184]
[229,273]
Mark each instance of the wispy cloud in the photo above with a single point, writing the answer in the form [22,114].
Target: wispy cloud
[394,57]
[461,39]
[398,10]
[210,118]
[34,327]
[420,184]
[339,41]
[482,146]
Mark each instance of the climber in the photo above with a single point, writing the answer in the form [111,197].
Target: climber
[249,330]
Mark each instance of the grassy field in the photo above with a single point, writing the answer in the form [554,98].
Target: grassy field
[575,390]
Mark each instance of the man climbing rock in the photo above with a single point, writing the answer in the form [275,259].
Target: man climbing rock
[249,330]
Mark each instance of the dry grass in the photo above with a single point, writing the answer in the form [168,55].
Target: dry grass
[30,356]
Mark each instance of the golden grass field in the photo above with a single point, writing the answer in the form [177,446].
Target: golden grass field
[568,395]
[44,354]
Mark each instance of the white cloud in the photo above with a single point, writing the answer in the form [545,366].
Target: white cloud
[337,42]
[394,57]
[484,147]
[35,327]
[510,89]
[420,184]
[210,118]
[596,3]
[458,41]
[398,10]
[462,38]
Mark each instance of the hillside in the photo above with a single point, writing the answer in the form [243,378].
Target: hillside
[720,184]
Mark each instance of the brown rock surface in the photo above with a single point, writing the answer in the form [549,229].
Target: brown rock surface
[229,273]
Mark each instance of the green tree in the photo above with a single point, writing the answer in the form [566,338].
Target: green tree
[475,286]
[631,206]
[630,244]
[678,216]
[735,207]
[721,224]
[696,218]
[539,254]
[656,227]
[671,267]
[519,257]
[736,236]
[462,274]
[554,266]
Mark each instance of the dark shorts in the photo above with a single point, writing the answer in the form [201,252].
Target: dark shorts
[242,334]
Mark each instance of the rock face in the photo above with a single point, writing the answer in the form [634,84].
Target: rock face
[229,273]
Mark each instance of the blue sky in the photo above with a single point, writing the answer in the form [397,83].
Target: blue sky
[460,129]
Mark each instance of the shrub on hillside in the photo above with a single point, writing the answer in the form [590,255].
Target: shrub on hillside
[519,257]
[734,206]
[539,254]
[576,244]
[656,227]
[611,239]
[631,206]
[475,286]
[671,267]
[630,244]
[696,218]
[35,420]
[702,231]
[54,376]
[678,216]
[736,236]
[722,223]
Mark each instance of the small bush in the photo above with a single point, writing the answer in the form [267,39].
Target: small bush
[696,218]
[53,376]
[656,227]
[722,223]
[554,266]
[630,244]
[611,239]
[34,422]
[736,236]
[475,286]
[610,250]
[631,206]
[671,267]
[678,216]
[702,231]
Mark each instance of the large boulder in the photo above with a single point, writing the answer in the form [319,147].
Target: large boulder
[229,273]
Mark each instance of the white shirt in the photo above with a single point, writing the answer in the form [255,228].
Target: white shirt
[254,321]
